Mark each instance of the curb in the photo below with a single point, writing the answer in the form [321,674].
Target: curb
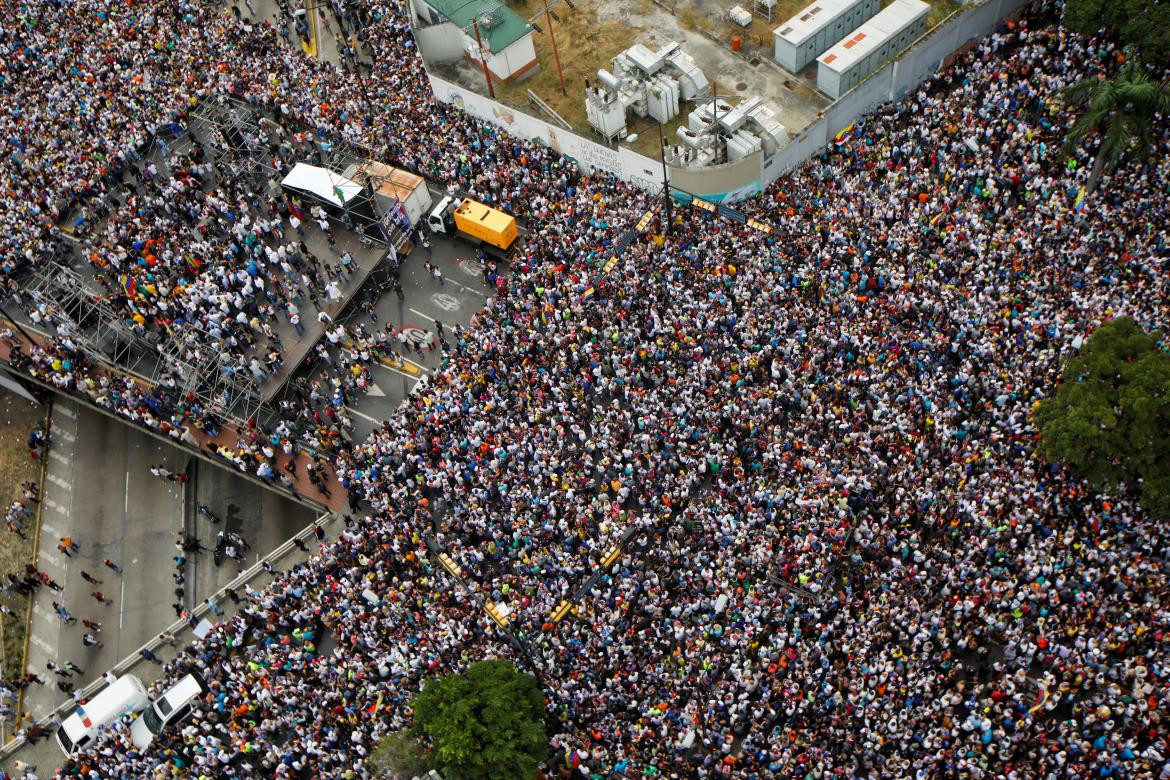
[36,554]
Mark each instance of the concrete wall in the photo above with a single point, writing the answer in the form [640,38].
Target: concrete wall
[440,42]
[891,82]
[726,183]
[514,59]
[629,165]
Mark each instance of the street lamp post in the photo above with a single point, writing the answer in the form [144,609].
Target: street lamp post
[665,181]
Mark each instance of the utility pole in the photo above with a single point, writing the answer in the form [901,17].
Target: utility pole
[556,54]
[483,59]
[665,182]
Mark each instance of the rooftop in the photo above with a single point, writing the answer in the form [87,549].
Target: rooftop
[499,26]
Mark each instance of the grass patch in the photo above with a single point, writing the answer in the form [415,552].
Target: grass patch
[17,419]
[585,44]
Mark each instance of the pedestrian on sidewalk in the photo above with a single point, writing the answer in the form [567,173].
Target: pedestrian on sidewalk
[111,565]
[52,583]
[150,656]
[215,608]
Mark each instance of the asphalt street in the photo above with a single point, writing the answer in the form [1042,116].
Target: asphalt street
[99,491]
[455,299]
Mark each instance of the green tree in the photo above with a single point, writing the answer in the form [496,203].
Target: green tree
[1110,417]
[397,755]
[485,724]
[1120,111]
[1141,23]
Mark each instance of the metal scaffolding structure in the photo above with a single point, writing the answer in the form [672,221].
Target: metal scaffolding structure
[235,135]
[384,229]
[188,358]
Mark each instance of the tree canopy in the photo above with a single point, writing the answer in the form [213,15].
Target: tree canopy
[1141,23]
[1110,416]
[485,724]
[1121,111]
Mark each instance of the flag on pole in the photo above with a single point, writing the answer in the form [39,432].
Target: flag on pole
[1079,203]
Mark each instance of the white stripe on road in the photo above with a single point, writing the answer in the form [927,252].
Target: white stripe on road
[65,410]
[60,482]
[58,456]
[52,558]
[424,316]
[126,503]
[59,432]
[396,371]
[466,288]
[53,531]
[41,643]
[351,410]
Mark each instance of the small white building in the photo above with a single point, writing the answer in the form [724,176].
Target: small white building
[866,49]
[810,33]
[445,31]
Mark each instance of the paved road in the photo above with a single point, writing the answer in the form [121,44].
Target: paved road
[456,300]
[99,490]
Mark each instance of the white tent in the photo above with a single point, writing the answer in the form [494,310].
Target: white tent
[322,183]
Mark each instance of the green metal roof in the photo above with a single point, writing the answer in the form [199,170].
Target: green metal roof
[509,27]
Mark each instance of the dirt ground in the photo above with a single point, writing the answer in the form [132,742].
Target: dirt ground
[591,32]
[17,419]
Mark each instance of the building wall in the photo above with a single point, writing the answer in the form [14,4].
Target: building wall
[513,60]
[440,42]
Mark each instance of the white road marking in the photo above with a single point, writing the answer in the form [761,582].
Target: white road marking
[58,456]
[421,314]
[54,559]
[446,302]
[465,288]
[121,603]
[52,531]
[41,643]
[61,433]
[126,503]
[65,410]
[374,391]
[351,410]
[396,371]
[60,482]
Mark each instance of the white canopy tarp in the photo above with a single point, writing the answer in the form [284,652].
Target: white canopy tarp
[323,183]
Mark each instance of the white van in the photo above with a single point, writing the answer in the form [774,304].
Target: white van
[79,730]
[172,707]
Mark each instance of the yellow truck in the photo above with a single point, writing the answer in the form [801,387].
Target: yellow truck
[474,222]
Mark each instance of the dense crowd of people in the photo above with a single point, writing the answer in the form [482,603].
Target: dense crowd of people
[841,552]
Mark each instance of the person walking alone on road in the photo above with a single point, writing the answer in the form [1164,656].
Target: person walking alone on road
[111,565]
[92,625]
[89,640]
[63,613]
[101,597]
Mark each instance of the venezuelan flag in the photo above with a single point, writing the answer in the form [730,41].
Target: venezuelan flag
[1079,203]
[128,286]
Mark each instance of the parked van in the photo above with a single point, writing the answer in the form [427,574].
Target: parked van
[172,707]
[79,730]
